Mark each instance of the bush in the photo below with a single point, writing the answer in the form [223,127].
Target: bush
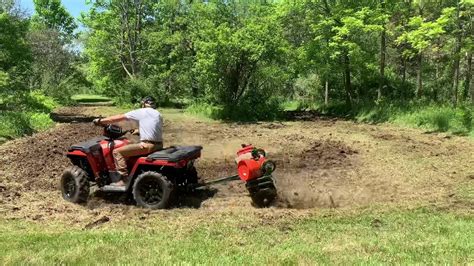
[26,114]
[250,110]
[438,118]
[16,124]
[40,121]
[430,117]
[467,118]
[205,110]
[37,101]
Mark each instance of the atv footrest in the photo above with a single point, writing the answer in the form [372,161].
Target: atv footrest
[109,188]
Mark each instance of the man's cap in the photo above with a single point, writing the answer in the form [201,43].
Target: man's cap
[148,100]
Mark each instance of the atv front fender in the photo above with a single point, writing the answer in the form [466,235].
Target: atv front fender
[91,168]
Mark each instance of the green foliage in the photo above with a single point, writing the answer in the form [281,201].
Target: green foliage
[14,124]
[90,98]
[226,53]
[17,124]
[37,101]
[437,118]
[430,117]
[466,117]
[31,114]
[40,121]
[53,15]
[236,55]
[14,54]
[205,110]
[250,109]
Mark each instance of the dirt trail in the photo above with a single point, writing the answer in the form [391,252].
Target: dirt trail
[321,164]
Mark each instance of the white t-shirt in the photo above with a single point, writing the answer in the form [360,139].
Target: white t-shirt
[150,123]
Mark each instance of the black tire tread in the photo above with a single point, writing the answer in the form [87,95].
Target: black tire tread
[82,178]
[168,189]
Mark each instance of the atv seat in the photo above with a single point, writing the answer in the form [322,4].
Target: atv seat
[87,146]
[176,153]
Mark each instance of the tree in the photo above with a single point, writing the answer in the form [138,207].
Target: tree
[15,55]
[54,16]
[383,52]
[420,38]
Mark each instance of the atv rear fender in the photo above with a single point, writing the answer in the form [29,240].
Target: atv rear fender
[143,162]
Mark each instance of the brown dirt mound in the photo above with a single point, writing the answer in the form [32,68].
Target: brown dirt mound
[314,178]
[35,162]
[321,154]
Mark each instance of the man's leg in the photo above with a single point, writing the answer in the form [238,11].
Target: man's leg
[122,153]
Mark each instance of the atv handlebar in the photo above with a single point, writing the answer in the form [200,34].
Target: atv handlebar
[112,131]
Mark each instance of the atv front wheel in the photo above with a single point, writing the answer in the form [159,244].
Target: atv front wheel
[75,185]
[152,190]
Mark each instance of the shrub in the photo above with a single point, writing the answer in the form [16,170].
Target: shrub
[204,109]
[467,118]
[40,121]
[14,124]
[246,111]
[26,114]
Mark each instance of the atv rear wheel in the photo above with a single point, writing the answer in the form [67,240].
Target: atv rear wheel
[152,190]
[75,185]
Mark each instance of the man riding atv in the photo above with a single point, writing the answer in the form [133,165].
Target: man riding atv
[150,130]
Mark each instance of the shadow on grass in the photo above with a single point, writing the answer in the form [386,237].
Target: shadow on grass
[193,199]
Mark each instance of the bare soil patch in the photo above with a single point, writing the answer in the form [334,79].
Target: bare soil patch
[320,164]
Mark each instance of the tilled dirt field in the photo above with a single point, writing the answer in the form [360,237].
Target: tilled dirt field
[320,164]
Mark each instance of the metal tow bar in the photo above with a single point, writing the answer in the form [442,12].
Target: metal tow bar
[216,181]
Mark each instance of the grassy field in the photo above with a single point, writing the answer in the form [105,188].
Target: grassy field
[90,98]
[372,237]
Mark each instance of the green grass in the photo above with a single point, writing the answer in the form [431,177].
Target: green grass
[398,237]
[436,118]
[90,98]
[203,110]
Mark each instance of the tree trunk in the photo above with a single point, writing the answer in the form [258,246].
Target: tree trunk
[457,55]
[404,70]
[383,48]
[419,71]
[468,87]
[326,93]
[419,79]
[347,78]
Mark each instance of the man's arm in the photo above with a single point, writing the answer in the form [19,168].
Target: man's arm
[110,119]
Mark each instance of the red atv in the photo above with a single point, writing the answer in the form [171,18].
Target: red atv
[153,179]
